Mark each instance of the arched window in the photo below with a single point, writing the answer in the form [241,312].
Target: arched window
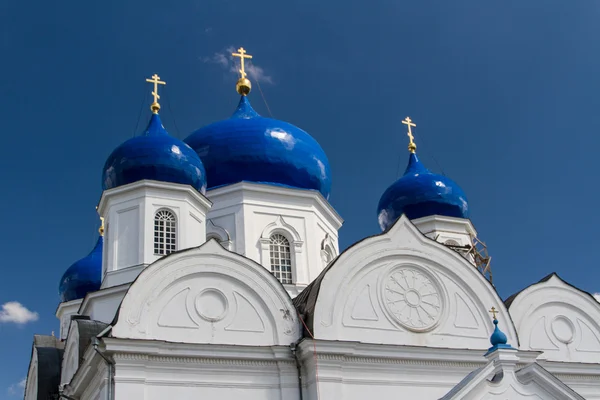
[165,232]
[281,258]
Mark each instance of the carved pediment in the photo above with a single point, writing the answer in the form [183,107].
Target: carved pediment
[558,319]
[208,295]
[403,288]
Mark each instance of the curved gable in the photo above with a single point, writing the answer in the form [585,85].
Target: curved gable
[403,288]
[562,321]
[208,295]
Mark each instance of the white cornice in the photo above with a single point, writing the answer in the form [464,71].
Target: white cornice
[73,304]
[148,184]
[442,223]
[135,349]
[250,187]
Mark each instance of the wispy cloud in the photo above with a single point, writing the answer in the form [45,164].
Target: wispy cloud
[16,389]
[17,313]
[226,61]
[597,297]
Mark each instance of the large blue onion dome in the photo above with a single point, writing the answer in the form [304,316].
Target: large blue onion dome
[420,193]
[249,147]
[84,276]
[155,155]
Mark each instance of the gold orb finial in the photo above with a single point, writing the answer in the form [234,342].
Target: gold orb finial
[243,85]
[155,107]
[412,146]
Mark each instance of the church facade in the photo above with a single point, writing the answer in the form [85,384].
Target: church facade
[218,274]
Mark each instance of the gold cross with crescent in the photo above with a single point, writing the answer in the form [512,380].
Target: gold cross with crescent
[156,80]
[493,311]
[412,147]
[242,55]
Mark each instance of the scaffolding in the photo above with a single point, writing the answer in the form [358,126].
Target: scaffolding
[477,253]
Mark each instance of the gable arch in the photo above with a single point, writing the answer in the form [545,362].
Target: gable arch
[558,319]
[208,295]
[357,297]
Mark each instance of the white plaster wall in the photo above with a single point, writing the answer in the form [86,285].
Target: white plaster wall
[103,304]
[352,371]
[129,217]
[559,320]
[31,388]
[201,379]
[64,312]
[208,295]
[250,212]
[442,229]
[71,356]
[365,296]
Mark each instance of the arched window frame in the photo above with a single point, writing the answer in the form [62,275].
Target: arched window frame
[277,251]
[220,234]
[173,230]
[280,226]
[328,250]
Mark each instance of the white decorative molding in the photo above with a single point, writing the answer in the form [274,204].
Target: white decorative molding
[391,310]
[280,226]
[412,297]
[558,319]
[220,234]
[208,295]
[328,250]
[291,234]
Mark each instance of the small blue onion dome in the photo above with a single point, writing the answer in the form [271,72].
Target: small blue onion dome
[84,276]
[157,156]
[248,147]
[420,193]
[498,338]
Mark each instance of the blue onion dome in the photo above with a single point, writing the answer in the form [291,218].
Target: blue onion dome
[155,155]
[249,147]
[498,338]
[84,276]
[420,193]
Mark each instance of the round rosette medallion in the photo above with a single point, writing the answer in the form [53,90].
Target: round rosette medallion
[413,298]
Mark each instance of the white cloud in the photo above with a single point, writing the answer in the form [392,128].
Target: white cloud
[16,389]
[227,61]
[13,311]
[597,297]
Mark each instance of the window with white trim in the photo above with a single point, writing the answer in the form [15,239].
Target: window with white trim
[281,258]
[165,232]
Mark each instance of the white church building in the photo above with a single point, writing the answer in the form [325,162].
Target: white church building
[217,275]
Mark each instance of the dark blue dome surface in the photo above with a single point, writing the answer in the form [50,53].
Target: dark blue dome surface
[157,156]
[420,193]
[248,147]
[84,276]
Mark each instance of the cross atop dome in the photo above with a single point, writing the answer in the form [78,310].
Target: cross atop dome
[155,107]
[412,147]
[243,85]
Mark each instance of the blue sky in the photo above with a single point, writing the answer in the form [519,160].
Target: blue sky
[505,96]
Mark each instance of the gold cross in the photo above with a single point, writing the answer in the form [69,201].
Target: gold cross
[493,311]
[412,147]
[242,55]
[156,80]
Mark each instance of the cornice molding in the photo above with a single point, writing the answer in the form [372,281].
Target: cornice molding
[250,187]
